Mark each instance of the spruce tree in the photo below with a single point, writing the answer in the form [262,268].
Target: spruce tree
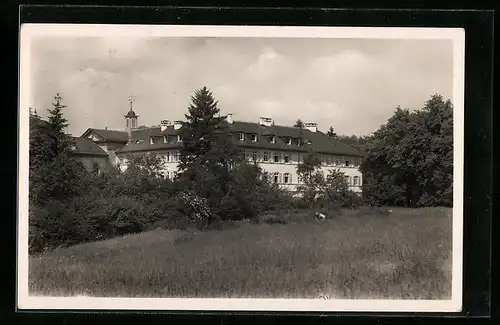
[56,118]
[205,137]
[58,124]
[331,133]
[299,124]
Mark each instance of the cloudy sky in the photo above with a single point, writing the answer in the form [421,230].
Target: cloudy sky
[352,84]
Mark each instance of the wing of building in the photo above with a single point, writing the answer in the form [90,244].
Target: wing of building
[277,149]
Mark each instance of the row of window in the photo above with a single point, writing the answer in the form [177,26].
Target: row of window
[286,178]
[288,141]
[153,140]
[279,157]
[266,156]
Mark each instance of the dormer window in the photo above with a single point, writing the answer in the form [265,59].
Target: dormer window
[254,137]
[179,138]
[273,139]
[151,141]
[289,141]
[242,136]
[347,163]
[165,140]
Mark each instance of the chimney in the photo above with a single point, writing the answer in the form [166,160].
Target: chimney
[164,124]
[266,121]
[229,118]
[313,127]
[177,125]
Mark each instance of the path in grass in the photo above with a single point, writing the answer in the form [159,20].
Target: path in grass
[352,256]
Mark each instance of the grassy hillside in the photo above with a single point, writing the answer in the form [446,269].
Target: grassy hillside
[405,255]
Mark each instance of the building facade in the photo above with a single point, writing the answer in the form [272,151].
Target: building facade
[277,149]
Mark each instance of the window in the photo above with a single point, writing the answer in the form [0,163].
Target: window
[254,155]
[176,156]
[167,156]
[347,180]
[276,178]
[323,162]
[273,139]
[289,141]
[179,138]
[347,163]
[356,180]
[151,141]
[266,156]
[287,178]
[286,158]
[96,169]
[242,136]
[254,137]
[298,142]
[277,157]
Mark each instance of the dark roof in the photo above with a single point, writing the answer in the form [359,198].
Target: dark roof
[84,146]
[131,113]
[108,135]
[320,142]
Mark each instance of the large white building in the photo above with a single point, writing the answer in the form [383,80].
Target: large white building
[277,149]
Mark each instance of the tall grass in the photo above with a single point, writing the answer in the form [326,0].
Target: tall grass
[403,255]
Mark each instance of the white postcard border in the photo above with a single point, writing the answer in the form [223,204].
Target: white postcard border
[29,31]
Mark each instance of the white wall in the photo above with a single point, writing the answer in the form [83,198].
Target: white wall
[282,168]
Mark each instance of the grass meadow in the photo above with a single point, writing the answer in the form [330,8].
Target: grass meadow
[404,255]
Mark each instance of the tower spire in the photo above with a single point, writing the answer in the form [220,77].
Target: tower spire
[131,100]
[131,117]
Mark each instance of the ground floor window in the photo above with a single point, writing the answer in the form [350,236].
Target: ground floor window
[276,177]
[356,180]
[287,158]
[287,178]
[266,156]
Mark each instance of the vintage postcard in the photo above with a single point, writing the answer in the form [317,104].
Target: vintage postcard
[237,168]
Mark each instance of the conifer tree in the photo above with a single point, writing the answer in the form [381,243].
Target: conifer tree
[299,124]
[58,124]
[205,137]
[331,133]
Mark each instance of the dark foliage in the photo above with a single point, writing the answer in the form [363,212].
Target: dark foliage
[409,160]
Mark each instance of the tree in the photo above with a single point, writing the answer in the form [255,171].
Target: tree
[205,137]
[299,124]
[312,177]
[57,120]
[58,124]
[331,133]
[409,160]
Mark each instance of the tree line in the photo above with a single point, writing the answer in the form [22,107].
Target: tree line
[408,161]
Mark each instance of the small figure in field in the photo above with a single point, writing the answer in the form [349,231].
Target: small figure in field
[320,216]
[390,211]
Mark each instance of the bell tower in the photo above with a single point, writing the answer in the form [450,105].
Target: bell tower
[131,117]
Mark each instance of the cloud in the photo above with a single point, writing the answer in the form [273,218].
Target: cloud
[353,85]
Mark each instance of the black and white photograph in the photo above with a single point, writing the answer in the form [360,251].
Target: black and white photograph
[252,168]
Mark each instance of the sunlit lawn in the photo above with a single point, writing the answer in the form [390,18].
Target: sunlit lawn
[406,255]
